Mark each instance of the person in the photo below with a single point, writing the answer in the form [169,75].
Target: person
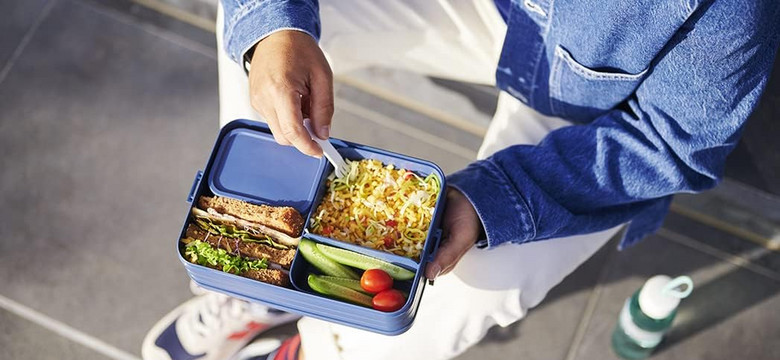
[607,109]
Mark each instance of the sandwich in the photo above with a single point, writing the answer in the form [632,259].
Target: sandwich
[254,241]
[282,224]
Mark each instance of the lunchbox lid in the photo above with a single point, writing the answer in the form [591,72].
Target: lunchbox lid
[250,165]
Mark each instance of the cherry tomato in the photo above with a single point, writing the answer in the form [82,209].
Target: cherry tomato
[375,281]
[388,300]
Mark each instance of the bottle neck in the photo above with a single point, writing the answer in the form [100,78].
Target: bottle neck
[645,322]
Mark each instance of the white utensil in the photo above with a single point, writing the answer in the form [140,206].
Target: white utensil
[342,169]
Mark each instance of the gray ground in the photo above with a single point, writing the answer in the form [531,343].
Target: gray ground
[107,110]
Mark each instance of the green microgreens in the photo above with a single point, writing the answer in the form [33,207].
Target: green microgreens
[202,253]
[233,232]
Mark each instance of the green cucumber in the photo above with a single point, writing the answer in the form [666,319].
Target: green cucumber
[364,262]
[324,263]
[324,286]
[350,283]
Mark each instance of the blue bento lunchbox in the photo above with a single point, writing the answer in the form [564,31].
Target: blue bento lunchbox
[247,164]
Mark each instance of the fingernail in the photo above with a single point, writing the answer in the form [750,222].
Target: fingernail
[324,132]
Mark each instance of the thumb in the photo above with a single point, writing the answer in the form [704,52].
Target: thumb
[321,106]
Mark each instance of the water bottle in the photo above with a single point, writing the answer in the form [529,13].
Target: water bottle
[647,315]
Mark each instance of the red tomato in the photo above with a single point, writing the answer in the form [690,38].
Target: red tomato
[389,242]
[375,280]
[388,300]
[391,223]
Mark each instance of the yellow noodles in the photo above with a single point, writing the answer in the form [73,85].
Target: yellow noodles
[378,207]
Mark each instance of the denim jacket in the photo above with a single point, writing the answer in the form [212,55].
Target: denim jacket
[659,91]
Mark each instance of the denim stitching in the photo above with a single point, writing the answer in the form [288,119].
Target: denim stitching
[592,74]
[534,7]
[550,8]
[532,91]
[263,36]
[555,84]
[241,12]
[690,7]
[526,218]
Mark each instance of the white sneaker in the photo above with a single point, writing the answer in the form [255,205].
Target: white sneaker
[211,326]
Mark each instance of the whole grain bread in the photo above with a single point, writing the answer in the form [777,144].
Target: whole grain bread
[282,218]
[271,276]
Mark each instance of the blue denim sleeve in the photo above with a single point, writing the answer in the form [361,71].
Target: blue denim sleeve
[672,136]
[247,22]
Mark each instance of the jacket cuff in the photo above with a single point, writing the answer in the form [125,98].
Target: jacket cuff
[504,213]
[258,19]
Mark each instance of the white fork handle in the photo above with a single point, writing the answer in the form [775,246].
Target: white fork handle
[327,148]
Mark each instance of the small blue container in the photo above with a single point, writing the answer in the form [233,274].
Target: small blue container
[247,164]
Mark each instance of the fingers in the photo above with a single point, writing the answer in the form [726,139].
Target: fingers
[273,123]
[321,102]
[290,122]
[450,252]
[263,101]
[290,77]
[460,231]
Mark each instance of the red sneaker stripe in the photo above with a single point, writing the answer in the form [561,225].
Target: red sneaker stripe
[252,328]
[295,344]
[289,349]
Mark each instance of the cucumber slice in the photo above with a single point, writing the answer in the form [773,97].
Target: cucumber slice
[364,262]
[326,287]
[350,283]
[324,263]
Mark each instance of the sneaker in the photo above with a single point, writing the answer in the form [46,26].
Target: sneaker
[211,326]
[271,349]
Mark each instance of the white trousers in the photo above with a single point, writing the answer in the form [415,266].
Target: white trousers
[459,40]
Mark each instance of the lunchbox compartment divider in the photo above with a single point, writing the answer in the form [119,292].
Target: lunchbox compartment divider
[402,261]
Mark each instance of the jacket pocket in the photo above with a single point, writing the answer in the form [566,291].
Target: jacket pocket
[580,94]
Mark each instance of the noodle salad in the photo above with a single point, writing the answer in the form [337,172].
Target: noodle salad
[378,206]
